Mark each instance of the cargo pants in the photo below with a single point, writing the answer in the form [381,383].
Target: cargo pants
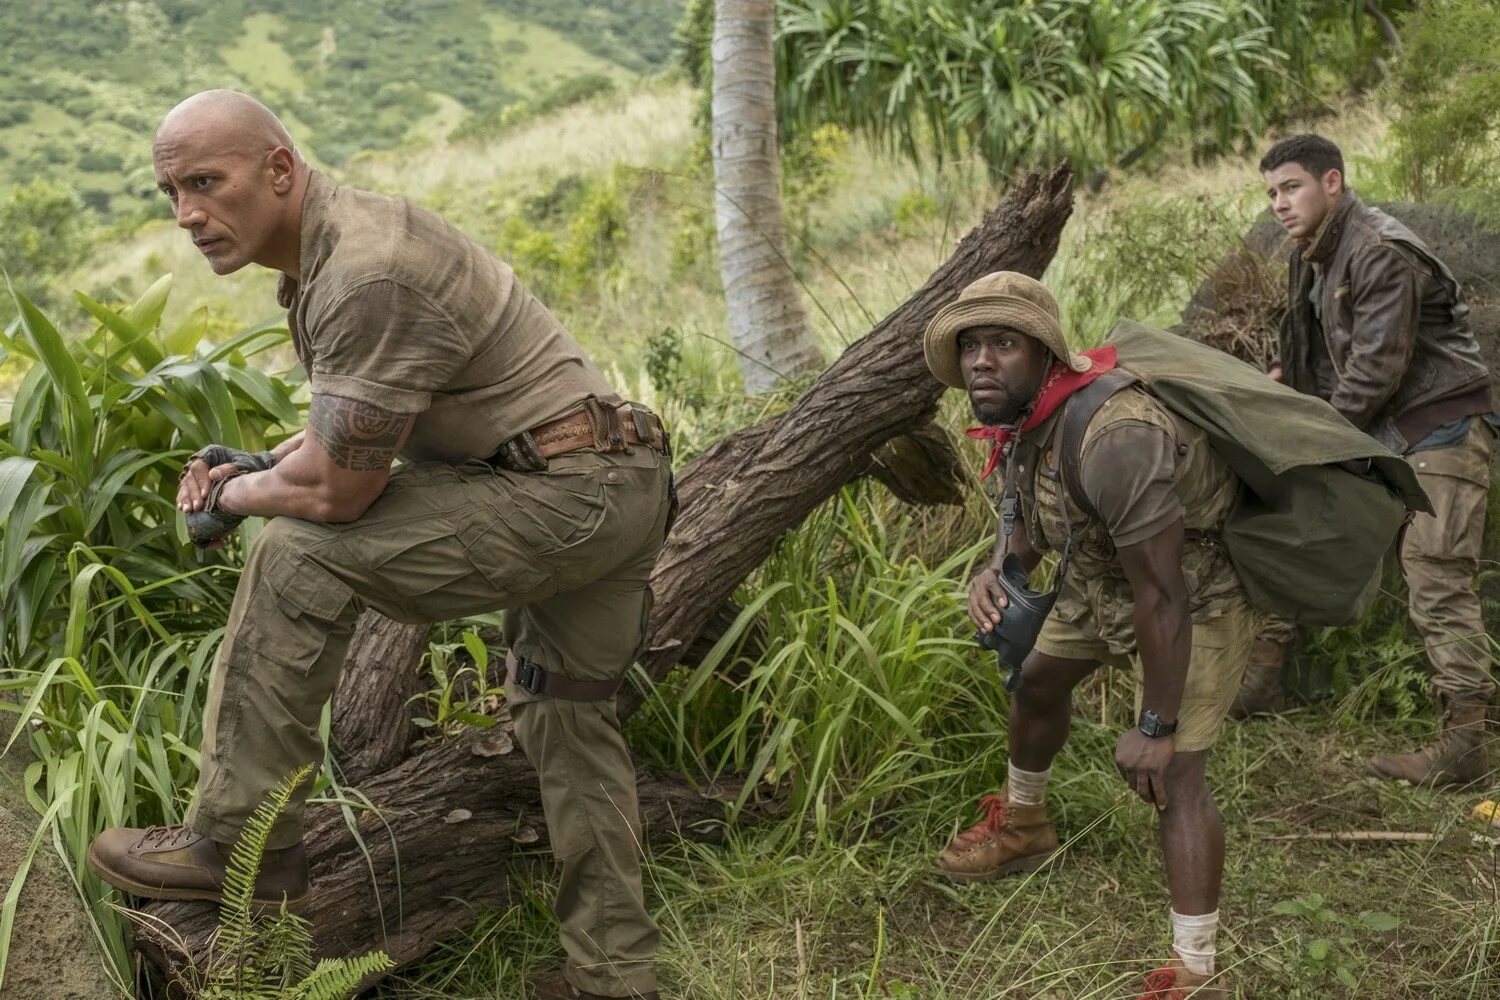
[569,554]
[1439,557]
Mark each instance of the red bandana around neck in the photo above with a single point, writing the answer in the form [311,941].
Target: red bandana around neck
[1061,382]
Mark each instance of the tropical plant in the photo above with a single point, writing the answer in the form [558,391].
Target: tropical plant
[261,956]
[108,619]
[98,430]
[1099,81]
[1446,91]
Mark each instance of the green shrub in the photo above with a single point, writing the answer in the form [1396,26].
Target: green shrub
[563,264]
[45,232]
[1141,261]
[1446,93]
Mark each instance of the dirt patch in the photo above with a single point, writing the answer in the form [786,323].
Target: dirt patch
[53,953]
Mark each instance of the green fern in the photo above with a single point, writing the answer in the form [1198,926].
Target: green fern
[264,956]
[289,939]
[237,928]
[336,978]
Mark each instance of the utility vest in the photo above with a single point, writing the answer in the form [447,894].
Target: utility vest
[1094,590]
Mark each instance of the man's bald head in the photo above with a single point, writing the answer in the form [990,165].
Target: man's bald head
[228,119]
[235,180]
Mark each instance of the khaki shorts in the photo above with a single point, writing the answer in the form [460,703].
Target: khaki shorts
[1221,649]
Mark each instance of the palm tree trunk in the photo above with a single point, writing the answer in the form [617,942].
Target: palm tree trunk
[766,319]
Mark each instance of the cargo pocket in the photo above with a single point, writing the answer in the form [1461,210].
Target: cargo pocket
[501,556]
[1468,460]
[311,600]
[553,513]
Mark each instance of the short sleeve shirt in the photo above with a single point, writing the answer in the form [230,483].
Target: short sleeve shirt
[1126,473]
[396,308]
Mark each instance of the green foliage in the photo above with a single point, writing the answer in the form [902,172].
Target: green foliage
[634,33]
[1446,93]
[1374,666]
[574,90]
[573,239]
[663,363]
[45,231]
[865,667]
[809,172]
[1142,261]
[261,956]
[693,41]
[85,83]
[460,691]
[1322,949]
[914,209]
[108,620]
[1026,83]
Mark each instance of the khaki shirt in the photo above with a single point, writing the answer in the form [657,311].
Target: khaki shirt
[1142,469]
[396,308]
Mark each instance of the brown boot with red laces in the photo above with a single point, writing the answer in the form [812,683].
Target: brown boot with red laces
[1174,981]
[1009,840]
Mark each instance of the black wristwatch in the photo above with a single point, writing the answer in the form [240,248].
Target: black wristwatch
[1152,725]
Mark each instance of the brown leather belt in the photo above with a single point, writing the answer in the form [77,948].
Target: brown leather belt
[577,431]
[600,426]
[532,677]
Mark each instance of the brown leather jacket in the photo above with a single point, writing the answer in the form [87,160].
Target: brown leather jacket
[1394,339]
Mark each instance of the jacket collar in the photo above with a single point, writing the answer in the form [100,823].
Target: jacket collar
[1326,240]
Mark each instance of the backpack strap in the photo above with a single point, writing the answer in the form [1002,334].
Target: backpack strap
[1077,412]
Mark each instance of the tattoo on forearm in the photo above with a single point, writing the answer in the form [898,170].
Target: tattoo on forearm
[357,436]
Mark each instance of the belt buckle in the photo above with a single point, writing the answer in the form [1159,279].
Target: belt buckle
[530,676]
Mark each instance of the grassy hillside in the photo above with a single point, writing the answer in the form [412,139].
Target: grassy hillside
[82,84]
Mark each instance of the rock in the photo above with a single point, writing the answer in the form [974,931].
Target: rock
[53,952]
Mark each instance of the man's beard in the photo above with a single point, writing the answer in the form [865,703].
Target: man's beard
[1009,412]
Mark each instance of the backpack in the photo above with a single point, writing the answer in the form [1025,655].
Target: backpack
[1321,503]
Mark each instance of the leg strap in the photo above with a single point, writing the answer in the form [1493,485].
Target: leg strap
[532,677]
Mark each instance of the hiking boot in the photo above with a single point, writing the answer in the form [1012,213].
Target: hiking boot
[1260,692]
[1457,757]
[1009,840]
[1174,981]
[174,862]
[555,986]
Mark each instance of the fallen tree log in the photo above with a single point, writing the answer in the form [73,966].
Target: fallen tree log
[372,708]
[747,491]
[447,825]
[447,819]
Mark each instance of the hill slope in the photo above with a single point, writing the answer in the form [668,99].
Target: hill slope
[83,83]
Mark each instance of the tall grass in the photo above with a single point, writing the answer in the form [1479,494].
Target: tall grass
[108,620]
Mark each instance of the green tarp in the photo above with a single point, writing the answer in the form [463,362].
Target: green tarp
[1323,502]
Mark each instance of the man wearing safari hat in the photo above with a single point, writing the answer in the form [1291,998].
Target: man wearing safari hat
[1137,587]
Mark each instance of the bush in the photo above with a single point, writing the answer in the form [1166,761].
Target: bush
[45,233]
[1446,92]
[562,265]
[1141,261]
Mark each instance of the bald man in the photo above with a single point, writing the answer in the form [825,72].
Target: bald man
[526,484]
